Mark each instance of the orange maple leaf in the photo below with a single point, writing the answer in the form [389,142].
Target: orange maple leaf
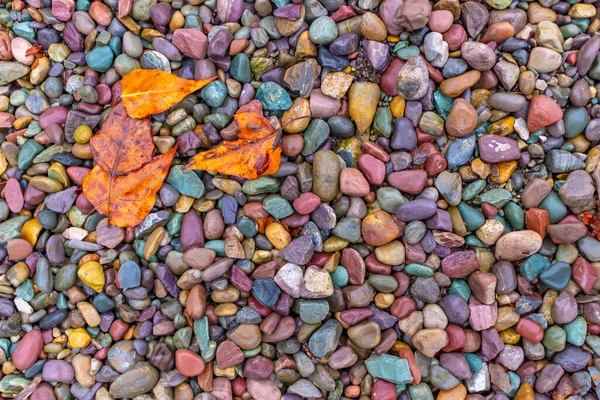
[256,153]
[145,92]
[127,199]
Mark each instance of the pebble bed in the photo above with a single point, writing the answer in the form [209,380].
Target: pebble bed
[431,232]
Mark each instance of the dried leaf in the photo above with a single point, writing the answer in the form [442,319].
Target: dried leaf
[255,154]
[146,92]
[126,200]
[123,144]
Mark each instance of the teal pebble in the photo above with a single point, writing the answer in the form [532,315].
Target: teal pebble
[214,93]
[30,149]
[240,68]
[186,182]
[218,246]
[247,226]
[273,97]
[100,59]
[461,288]
[277,206]
[557,276]
[576,331]
[533,266]
[475,363]
[418,270]
[340,276]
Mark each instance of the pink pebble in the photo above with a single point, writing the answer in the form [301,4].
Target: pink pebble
[440,21]
[13,195]
[306,203]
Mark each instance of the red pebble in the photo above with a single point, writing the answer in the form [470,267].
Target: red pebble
[489,210]
[584,274]
[383,390]
[403,306]
[530,330]
[456,338]
[435,164]
[238,386]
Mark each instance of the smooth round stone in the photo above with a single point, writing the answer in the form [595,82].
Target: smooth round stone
[323,30]
[58,371]
[557,275]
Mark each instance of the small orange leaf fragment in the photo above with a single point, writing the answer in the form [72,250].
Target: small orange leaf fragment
[123,144]
[126,200]
[256,153]
[146,92]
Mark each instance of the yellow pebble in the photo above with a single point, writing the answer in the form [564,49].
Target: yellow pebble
[334,243]
[8,368]
[31,231]
[278,236]
[3,163]
[393,39]
[504,127]
[510,336]
[397,106]
[502,171]
[480,168]
[79,338]
[184,204]
[525,392]
[83,134]
[457,393]
[582,11]
[153,242]
[226,310]
[384,300]
[92,274]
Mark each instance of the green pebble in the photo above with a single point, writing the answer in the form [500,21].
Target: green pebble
[28,152]
[201,332]
[390,368]
[383,283]
[473,189]
[472,240]
[407,52]
[323,30]
[315,135]
[24,30]
[175,222]
[515,215]
[575,119]
[594,343]
[277,206]
[262,185]
[496,197]
[554,338]
[419,270]
[443,104]
[186,182]
[382,122]
[311,311]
